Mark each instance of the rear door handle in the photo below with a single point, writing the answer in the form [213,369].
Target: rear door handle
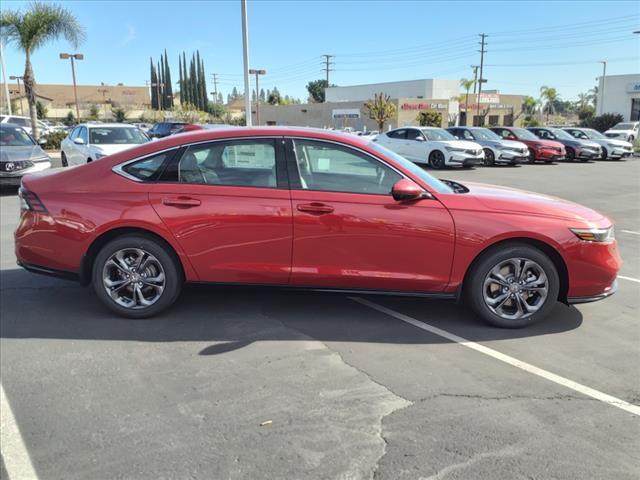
[181,202]
[315,207]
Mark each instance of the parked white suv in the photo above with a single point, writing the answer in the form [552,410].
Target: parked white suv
[628,131]
[92,141]
[25,123]
[433,146]
[611,147]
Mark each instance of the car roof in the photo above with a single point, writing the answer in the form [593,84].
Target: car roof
[110,125]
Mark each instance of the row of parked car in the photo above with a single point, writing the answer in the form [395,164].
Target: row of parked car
[469,146]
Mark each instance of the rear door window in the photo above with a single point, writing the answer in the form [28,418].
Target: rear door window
[397,134]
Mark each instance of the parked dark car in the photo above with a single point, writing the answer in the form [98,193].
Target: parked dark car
[576,149]
[164,129]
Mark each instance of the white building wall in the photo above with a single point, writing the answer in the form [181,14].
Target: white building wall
[360,93]
[618,92]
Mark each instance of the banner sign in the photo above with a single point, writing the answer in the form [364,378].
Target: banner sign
[489,98]
[423,106]
[346,113]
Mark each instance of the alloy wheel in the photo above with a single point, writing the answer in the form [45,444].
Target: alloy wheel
[515,288]
[489,157]
[437,159]
[133,278]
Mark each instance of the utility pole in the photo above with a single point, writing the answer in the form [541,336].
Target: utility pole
[245,58]
[17,79]
[72,56]
[215,88]
[4,78]
[327,65]
[604,74]
[475,77]
[257,73]
[481,80]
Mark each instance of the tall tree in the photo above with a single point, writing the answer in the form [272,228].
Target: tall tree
[193,89]
[41,23]
[381,109]
[466,85]
[220,98]
[185,81]
[550,96]
[161,100]
[316,90]
[262,96]
[154,89]
[167,79]
[234,93]
[202,83]
[180,80]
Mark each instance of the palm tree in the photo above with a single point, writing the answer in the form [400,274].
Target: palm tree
[583,100]
[549,94]
[30,30]
[466,85]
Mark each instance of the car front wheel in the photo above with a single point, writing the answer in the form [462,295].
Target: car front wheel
[136,276]
[513,286]
[489,157]
[436,159]
[63,160]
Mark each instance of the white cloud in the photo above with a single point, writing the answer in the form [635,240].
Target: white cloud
[129,37]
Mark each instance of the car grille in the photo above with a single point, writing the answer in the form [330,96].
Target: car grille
[10,167]
[472,151]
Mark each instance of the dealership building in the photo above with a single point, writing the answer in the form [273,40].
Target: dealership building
[344,106]
[620,94]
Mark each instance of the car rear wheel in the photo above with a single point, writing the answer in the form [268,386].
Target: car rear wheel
[532,155]
[605,154]
[570,155]
[63,160]
[489,157]
[513,287]
[136,276]
[436,159]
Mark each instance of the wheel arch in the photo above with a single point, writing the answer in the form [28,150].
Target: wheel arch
[105,237]
[544,247]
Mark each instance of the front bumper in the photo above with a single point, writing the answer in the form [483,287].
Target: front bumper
[513,158]
[14,178]
[620,153]
[613,288]
[588,154]
[464,160]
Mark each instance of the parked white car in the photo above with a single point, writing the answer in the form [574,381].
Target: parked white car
[92,141]
[25,123]
[628,131]
[497,150]
[433,146]
[611,147]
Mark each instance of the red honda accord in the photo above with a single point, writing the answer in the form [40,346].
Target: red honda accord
[307,209]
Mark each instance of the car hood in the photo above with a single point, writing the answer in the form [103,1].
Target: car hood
[504,199]
[467,145]
[513,144]
[614,141]
[27,152]
[546,143]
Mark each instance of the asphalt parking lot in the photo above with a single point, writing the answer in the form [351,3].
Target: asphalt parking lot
[250,384]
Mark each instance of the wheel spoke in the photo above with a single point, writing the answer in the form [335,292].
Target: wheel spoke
[497,277]
[499,300]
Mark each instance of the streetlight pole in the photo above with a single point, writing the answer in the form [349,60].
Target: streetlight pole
[245,58]
[17,79]
[72,56]
[257,73]
[604,74]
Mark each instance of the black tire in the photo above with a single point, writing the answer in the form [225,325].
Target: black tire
[173,278]
[630,139]
[89,160]
[489,158]
[436,159]
[63,160]
[605,154]
[571,154]
[532,155]
[474,287]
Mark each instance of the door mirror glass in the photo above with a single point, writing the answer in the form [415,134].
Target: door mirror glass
[42,141]
[406,190]
[419,139]
[78,141]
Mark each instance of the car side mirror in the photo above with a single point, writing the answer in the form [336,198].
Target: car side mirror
[406,190]
[42,141]
[419,139]
[78,141]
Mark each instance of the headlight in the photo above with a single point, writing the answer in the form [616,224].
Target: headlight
[454,149]
[594,234]
[99,155]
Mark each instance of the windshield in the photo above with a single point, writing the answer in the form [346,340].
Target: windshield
[433,182]
[623,126]
[117,136]
[484,134]
[524,134]
[14,137]
[561,134]
[435,134]
[593,134]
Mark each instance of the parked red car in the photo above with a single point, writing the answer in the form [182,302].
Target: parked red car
[542,150]
[309,209]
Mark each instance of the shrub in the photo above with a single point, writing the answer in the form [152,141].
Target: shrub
[429,118]
[120,114]
[54,139]
[602,122]
[70,119]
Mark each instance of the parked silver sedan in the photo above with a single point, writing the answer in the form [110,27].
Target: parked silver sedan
[19,154]
[612,148]
[496,149]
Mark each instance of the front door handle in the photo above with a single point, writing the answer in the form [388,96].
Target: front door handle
[315,207]
[181,202]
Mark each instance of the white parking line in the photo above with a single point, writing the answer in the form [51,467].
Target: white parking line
[565,382]
[14,453]
[631,232]
[631,279]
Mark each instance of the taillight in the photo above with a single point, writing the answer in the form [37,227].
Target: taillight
[30,201]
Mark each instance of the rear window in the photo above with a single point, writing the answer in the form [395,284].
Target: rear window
[117,136]
[148,169]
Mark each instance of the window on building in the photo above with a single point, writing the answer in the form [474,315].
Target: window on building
[507,120]
[635,109]
[494,120]
[478,120]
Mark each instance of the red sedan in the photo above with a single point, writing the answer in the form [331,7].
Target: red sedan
[307,209]
[542,150]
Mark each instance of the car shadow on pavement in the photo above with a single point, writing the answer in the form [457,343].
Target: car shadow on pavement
[223,319]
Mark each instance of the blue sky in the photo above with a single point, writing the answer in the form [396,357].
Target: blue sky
[529,44]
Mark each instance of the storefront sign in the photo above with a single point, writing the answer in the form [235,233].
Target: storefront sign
[489,98]
[492,106]
[346,113]
[633,87]
[423,106]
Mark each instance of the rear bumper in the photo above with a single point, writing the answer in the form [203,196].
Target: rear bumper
[50,272]
[613,288]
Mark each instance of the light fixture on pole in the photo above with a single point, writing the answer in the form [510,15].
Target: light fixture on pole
[17,79]
[245,68]
[257,73]
[72,57]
